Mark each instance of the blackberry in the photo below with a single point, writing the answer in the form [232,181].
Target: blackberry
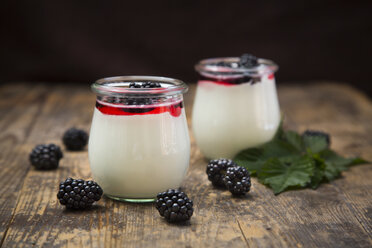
[145,85]
[110,99]
[45,157]
[248,60]
[134,85]
[216,170]
[237,180]
[140,101]
[129,100]
[174,205]
[78,194]
[75,139]
[311,133]
[136,101]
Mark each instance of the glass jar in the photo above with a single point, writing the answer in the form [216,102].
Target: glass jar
[235,107]
[139,143]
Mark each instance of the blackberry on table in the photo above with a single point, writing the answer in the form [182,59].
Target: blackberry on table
[237,180]
[174,205]
[216,170]
[312,133]
[78,193]
[248,60]
[45,157]
[75,139]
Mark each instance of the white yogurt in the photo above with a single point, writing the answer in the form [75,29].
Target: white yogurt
[229,118]
[138,156]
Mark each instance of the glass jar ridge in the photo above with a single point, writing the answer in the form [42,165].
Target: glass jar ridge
[211,68]
[119,86]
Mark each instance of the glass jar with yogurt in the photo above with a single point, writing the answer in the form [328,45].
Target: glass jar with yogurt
[139,143]
[236,105]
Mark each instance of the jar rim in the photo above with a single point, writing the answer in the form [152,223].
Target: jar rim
[119,85]
[210,66]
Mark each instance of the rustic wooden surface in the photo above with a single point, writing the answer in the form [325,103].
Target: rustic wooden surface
[338,214]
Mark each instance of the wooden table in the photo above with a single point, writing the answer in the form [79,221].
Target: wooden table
[338,214]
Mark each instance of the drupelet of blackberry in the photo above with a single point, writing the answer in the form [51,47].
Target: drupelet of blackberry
[174,205]
[312,133]
[145,85]
[75,139]
[45,157]
[216,170]
[237,180]
[78,193]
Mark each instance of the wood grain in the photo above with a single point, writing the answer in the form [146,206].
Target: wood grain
[338,214]
[19,109]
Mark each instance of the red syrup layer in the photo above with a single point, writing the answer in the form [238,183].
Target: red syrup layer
[230,81]
[174,109]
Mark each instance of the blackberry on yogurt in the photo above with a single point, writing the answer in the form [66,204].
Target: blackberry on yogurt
[145,85]
[248,60]
[134,101]
[229,71]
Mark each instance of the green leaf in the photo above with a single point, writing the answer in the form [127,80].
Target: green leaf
[280,175]
[315,144]
[252,159]
[279,148]
[319,170]
[294,139]
[356,161]
[290,160]
[335,163]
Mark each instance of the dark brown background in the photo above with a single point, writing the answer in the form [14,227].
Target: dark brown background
[80,41]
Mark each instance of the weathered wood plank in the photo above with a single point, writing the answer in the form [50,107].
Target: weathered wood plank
[348,118]
[19,108]
[38,190]
[335,215]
